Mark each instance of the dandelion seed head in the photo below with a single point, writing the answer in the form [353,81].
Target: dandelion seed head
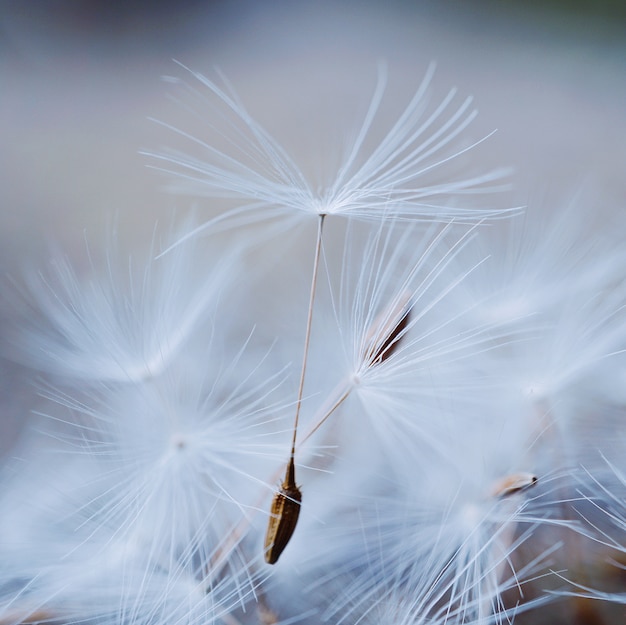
[120,321]
[399,177]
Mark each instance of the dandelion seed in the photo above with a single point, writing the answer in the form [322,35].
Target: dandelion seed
[383,337]
[369,585]
[387,330]
[538,260]
[127,321]
[169,468]
[512,484]
[455,519]
[396,179]
[396,333]
[283,516]
[285,508]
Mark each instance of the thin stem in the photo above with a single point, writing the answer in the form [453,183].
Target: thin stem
[316,262]
[338,396]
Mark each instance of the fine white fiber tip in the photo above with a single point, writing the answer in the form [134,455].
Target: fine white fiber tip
[411,173]
[119,319]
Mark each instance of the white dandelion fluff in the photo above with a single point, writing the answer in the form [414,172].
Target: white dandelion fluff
[400,177]
[389,340]
[127,320]
[172,474]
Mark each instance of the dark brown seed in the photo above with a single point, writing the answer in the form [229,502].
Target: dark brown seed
[283,516]
[387,331]
[514,483]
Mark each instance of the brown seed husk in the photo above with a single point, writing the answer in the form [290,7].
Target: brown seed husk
[514,483]
[386,331]
[284,515]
